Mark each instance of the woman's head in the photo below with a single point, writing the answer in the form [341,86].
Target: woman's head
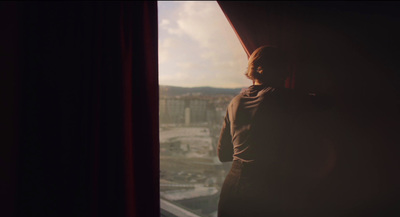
[267,65]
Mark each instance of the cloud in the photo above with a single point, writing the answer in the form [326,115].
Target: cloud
[164,22]
[198,47]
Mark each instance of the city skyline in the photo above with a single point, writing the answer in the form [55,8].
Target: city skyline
[198,47]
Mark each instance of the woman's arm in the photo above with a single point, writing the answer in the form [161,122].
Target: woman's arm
[225,145]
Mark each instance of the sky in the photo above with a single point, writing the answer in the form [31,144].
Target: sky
[198,47]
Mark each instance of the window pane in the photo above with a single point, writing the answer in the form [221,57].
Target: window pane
[201,65]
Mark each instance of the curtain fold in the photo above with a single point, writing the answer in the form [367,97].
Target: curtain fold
[140,54]
[257,25]
[9,116]
[87,108]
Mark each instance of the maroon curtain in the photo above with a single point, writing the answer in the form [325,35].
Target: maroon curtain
[257,25]
[84,100]
[347,51]
[8,115]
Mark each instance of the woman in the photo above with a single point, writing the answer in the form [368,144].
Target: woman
[258,136]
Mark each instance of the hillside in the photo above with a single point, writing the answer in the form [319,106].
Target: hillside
[168,91]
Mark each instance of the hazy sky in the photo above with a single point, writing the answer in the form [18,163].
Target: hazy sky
[198,47]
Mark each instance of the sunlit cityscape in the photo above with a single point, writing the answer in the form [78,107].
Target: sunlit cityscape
[191,174]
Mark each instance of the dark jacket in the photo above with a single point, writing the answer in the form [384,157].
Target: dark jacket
[259,123]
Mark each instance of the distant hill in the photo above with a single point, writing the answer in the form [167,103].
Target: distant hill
[168,91]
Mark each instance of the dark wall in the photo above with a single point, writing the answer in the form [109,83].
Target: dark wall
[348,51]
[69,96]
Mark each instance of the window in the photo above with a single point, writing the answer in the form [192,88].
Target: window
[201,68]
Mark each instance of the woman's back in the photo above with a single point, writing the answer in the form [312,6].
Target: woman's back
[274,159]
[260,128]
[259,121]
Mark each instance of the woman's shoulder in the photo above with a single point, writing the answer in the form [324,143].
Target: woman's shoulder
[236,99]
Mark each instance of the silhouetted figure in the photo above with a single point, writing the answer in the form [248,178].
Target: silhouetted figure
[259,134]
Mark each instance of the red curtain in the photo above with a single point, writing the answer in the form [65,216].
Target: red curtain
[8,115]
[257,25]
[84,106]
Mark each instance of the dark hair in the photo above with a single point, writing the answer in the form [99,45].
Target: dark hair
[267,64]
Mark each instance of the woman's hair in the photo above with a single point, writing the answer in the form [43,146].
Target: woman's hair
[267,64]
